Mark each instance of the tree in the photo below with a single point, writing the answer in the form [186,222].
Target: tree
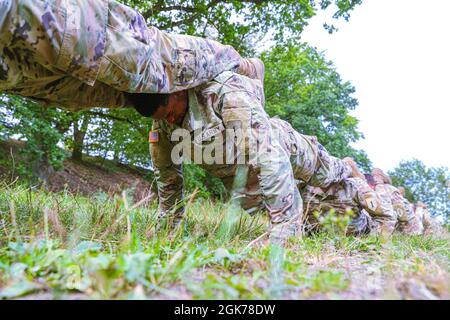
[240,23]
[80,127]
[427,184]
[121,134]
[40,128]
[304,88]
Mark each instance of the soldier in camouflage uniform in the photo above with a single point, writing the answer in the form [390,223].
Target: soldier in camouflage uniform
[357,193]
[79,54]
[268,180]
[383,224]
[420,210]
[426,223]
[352,194]
[399,211]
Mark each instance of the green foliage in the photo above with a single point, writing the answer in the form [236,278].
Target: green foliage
[304,88]
[39,127]
[240,23]
[334,223]
[121,134]
[195,178]
[118,134]
[427,184]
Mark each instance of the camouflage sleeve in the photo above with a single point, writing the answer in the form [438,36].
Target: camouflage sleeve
[76,44]
[366,197]
[282,200]
[169,176]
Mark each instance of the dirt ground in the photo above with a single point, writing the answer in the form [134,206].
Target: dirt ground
[85,178]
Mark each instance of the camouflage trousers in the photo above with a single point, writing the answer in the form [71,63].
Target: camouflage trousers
[385,219]
[83,53]
[360,221]
[310,161]
[426,223]
[342,200]
[395,214]
[407,221]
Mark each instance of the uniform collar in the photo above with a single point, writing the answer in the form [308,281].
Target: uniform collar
[193,120]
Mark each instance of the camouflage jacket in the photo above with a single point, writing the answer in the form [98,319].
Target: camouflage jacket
[403,208]
[230,102]
[387,207]
[80,54]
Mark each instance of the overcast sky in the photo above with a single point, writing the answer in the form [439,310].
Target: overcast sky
[397,55]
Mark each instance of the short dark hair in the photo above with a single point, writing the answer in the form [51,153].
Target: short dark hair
[147,103]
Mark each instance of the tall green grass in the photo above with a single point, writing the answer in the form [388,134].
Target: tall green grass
[107,247]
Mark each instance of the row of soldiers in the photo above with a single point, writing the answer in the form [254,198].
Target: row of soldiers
[292,176]
[79,54]
[387,210]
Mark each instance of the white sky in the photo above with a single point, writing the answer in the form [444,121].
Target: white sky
[397,55]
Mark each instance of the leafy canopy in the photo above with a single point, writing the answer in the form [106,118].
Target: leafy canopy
[240,23]
[304,88]
[430,185]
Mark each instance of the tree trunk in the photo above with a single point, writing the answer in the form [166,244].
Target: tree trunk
[79,132]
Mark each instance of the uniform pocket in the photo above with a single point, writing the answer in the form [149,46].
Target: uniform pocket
[184,65]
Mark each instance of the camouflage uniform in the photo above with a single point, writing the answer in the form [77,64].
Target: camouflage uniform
[352,194]
[426,224]
[230,102]
[311,163]
[407,221]
[79,54]
[419,211]
[398,212]
[385,222]
[267,181]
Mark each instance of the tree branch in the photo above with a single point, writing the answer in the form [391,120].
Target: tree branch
[158,7]
[179,22]
[111,117]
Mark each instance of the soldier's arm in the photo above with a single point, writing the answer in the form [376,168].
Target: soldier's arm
[242,110]
[365,196]
[168,175]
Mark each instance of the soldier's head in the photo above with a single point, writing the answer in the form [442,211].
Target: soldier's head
[380,177]
[170,107]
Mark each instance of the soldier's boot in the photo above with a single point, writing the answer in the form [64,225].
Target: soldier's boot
[169,221]
[355,171]
[252,68]
[281,232]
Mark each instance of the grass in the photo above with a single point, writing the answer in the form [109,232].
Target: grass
[62,246]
